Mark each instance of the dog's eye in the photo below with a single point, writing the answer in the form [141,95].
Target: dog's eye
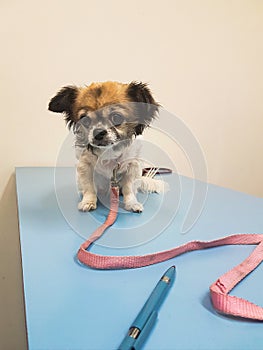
[85,120]
[117,118]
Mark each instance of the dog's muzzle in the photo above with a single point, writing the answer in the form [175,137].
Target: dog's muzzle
[99,134]
[101,137]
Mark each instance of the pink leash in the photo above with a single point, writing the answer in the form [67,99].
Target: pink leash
[222,301]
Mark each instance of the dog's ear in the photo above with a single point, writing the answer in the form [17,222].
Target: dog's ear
[64,99]
[139,92]
[63,103]
[146,107]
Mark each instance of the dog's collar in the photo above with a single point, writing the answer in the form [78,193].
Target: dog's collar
[89,147]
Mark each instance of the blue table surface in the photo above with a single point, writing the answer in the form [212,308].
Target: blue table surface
[70,306]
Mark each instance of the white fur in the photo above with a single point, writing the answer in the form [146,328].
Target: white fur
[95,169]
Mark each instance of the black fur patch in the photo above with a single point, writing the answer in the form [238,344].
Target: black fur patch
[97,92]
[63,103]
[147,107]
[139,92]
[139,129]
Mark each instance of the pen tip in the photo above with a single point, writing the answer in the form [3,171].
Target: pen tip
[172,269]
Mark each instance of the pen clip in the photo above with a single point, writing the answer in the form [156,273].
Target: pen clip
[145,331]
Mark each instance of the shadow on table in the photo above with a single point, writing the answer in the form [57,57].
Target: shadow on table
[12,319]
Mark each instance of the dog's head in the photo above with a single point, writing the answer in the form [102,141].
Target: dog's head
[106,113]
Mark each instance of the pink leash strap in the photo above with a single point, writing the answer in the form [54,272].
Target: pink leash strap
[222,301]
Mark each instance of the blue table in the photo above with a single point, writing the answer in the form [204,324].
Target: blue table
[69,306]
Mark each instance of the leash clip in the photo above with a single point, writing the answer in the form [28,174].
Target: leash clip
[114,181]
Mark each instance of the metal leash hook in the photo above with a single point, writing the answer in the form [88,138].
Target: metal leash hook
[114,181]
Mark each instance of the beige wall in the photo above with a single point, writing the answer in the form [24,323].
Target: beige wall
[202,58]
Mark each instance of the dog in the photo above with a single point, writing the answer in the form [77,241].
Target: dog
[108,119]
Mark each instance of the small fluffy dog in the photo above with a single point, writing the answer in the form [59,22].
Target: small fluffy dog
[107,119]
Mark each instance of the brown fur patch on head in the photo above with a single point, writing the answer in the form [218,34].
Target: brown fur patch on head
[99,95]
[75,101]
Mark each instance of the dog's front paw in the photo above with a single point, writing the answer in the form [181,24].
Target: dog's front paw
[136,207]
[87,205]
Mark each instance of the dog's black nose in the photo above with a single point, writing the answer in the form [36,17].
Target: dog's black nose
[99,133]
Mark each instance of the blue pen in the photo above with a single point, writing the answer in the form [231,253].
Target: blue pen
[146,318]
